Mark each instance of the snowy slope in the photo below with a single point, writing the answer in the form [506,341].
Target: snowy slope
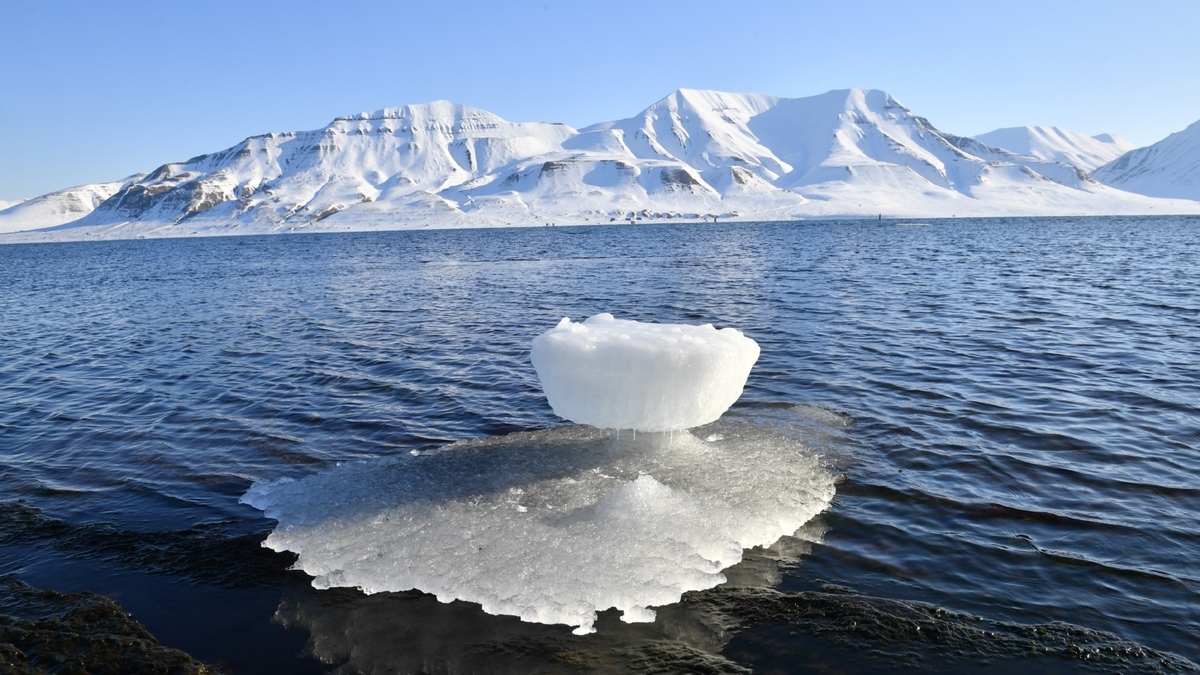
[1169,168]
[5,203]
[395,160]
[692,154]
[1058,145]
[846,152]
[59,207]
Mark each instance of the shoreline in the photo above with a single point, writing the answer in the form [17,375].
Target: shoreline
[143,231]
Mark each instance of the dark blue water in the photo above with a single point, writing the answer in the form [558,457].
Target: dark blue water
[1022,399]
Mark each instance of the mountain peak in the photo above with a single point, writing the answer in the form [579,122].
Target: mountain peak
[861,99]
[441,109]
[712,100]
[1057,144]
[1169,168]
[695,151]
[1114,139]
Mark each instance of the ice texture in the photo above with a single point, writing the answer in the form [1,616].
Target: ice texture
[618,374]
[551,526]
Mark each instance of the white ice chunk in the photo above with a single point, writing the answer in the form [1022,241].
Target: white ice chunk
[551,526]
[617,374]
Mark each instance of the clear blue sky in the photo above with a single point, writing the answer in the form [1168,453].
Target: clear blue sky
[93,91]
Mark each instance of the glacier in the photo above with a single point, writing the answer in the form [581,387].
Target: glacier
[694,155]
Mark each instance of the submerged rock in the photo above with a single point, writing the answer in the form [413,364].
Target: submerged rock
[205,553]
[45,631]
[884,633]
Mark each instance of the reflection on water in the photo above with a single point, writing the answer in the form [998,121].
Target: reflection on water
[414,633]
[744,622]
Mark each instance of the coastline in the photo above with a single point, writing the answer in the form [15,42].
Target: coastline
[202,229]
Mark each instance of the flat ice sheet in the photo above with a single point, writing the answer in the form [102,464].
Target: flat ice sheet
[550,526]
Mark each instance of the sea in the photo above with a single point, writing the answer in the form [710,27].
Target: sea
[1011,406]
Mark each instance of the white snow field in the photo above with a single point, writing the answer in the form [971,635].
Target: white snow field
[551,526]
[618,374]
[1058,145]
[1169,168]
[692,155]
[57,208]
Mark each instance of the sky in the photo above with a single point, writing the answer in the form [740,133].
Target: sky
[92,92]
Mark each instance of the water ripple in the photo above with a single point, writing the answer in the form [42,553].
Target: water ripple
[1017,402]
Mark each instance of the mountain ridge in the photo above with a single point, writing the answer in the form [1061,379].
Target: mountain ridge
[59,207]
[1169,168]
[1058,145]
[692,154]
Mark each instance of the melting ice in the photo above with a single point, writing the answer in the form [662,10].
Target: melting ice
[550,526]
[617,374]
[553,526]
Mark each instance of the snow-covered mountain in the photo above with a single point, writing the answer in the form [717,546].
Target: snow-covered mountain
[1169,168]
[413,160]
[56,208]
[690,155]
[1058,145]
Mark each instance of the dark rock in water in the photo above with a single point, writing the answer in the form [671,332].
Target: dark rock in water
[50,632]
[207,554]
[729,630]
[885,633]
[668,656]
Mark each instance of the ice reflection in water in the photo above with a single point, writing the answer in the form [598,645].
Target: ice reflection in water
[414,633]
